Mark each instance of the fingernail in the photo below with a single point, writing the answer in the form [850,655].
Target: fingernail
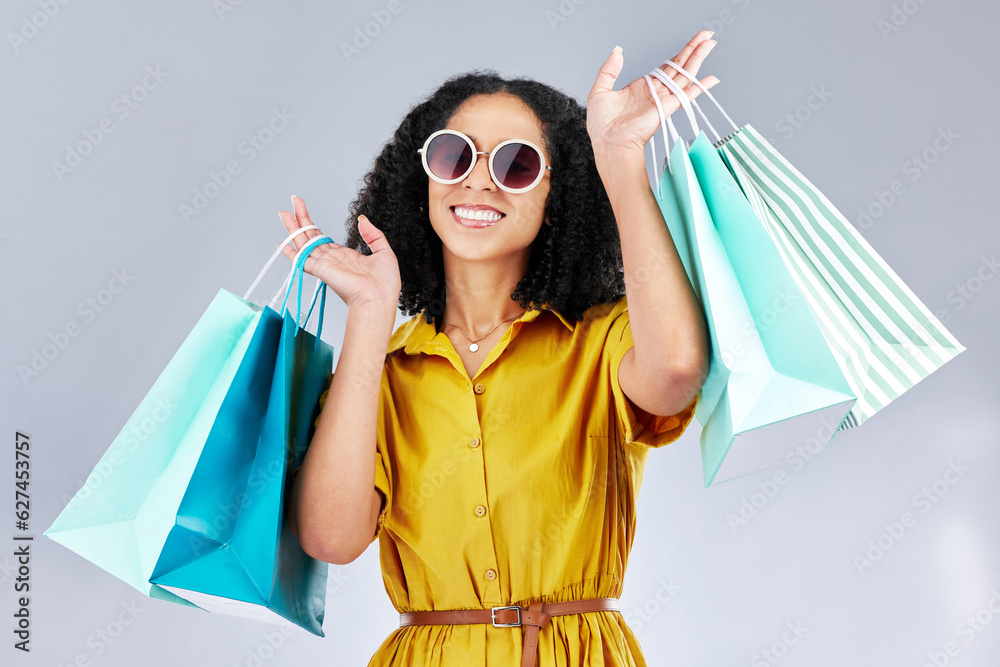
[713,42]
[293,199]
[618,49]
[711,33]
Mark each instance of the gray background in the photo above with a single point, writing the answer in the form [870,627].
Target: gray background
[700,589]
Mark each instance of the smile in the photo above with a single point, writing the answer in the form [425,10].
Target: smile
[473,218]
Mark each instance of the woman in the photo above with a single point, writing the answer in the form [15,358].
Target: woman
[495,442]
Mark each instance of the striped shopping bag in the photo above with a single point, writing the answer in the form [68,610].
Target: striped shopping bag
[884,338]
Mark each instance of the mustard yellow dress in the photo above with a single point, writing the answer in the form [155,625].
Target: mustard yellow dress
[514,486]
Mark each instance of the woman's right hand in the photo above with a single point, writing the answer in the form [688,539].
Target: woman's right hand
[356,278]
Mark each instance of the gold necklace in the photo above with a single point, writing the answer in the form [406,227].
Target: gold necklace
[474,343]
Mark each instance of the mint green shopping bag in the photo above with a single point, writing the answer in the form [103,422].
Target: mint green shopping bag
[773,383]
[121,516]
[882,335]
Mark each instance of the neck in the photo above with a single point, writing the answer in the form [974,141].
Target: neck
[478,294]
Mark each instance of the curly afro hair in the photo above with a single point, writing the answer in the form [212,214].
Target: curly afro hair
[574,262]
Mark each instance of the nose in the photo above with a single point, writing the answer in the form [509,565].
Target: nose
[479,178]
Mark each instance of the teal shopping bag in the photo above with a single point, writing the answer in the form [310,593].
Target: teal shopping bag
[773,383]
[231,550]
[120,517]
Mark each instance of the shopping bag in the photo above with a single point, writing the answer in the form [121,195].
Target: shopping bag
[122,515]
[231,550]
[883,337]
[773,383]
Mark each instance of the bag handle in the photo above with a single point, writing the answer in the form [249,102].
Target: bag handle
[705,90]
[274,256]
[666,121]
[297,272]
[675,88]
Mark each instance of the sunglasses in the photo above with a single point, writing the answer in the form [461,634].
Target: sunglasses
[516,165]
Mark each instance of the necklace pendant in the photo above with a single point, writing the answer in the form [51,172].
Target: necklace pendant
[473,347]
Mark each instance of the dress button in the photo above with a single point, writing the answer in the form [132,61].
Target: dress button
[474,443]
[491,574]
[479,388]
[480,510]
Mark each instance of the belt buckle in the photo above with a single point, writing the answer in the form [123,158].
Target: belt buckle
[506,625]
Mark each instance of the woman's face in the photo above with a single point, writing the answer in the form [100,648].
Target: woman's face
[489,120]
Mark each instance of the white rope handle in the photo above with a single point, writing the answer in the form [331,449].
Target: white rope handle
[705,90]
[277,252]
[686,102]
[679,93]
[664,123]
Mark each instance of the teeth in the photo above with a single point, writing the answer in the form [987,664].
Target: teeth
[471,214]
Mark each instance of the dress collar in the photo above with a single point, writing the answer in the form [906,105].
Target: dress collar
[416,334]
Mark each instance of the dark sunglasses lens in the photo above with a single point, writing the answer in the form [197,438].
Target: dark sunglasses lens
[517,165]
[449,156]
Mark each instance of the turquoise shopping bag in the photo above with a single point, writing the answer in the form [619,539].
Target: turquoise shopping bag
[773,383]
[231,550]
[120,517]
[216,389]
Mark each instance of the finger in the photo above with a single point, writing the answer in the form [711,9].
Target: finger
[609,72]
[317,250]
[694,91]
[693,63]
[671,103]
[289,251]
[323,249]
[372,235]
[291,224]
[686,52]
[295,220]
[302,216]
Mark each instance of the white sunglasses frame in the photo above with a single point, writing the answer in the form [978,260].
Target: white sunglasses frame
[475,157]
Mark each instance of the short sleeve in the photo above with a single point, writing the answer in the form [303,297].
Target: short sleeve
[635,424]
[382,485]
[381,478]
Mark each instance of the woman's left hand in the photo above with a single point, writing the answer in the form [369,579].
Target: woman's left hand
[621,122]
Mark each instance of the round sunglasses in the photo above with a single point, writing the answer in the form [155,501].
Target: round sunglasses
[516,165]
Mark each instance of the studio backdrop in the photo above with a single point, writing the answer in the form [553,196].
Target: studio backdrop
[148,147]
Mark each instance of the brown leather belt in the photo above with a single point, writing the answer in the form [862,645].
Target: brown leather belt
[533,617]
